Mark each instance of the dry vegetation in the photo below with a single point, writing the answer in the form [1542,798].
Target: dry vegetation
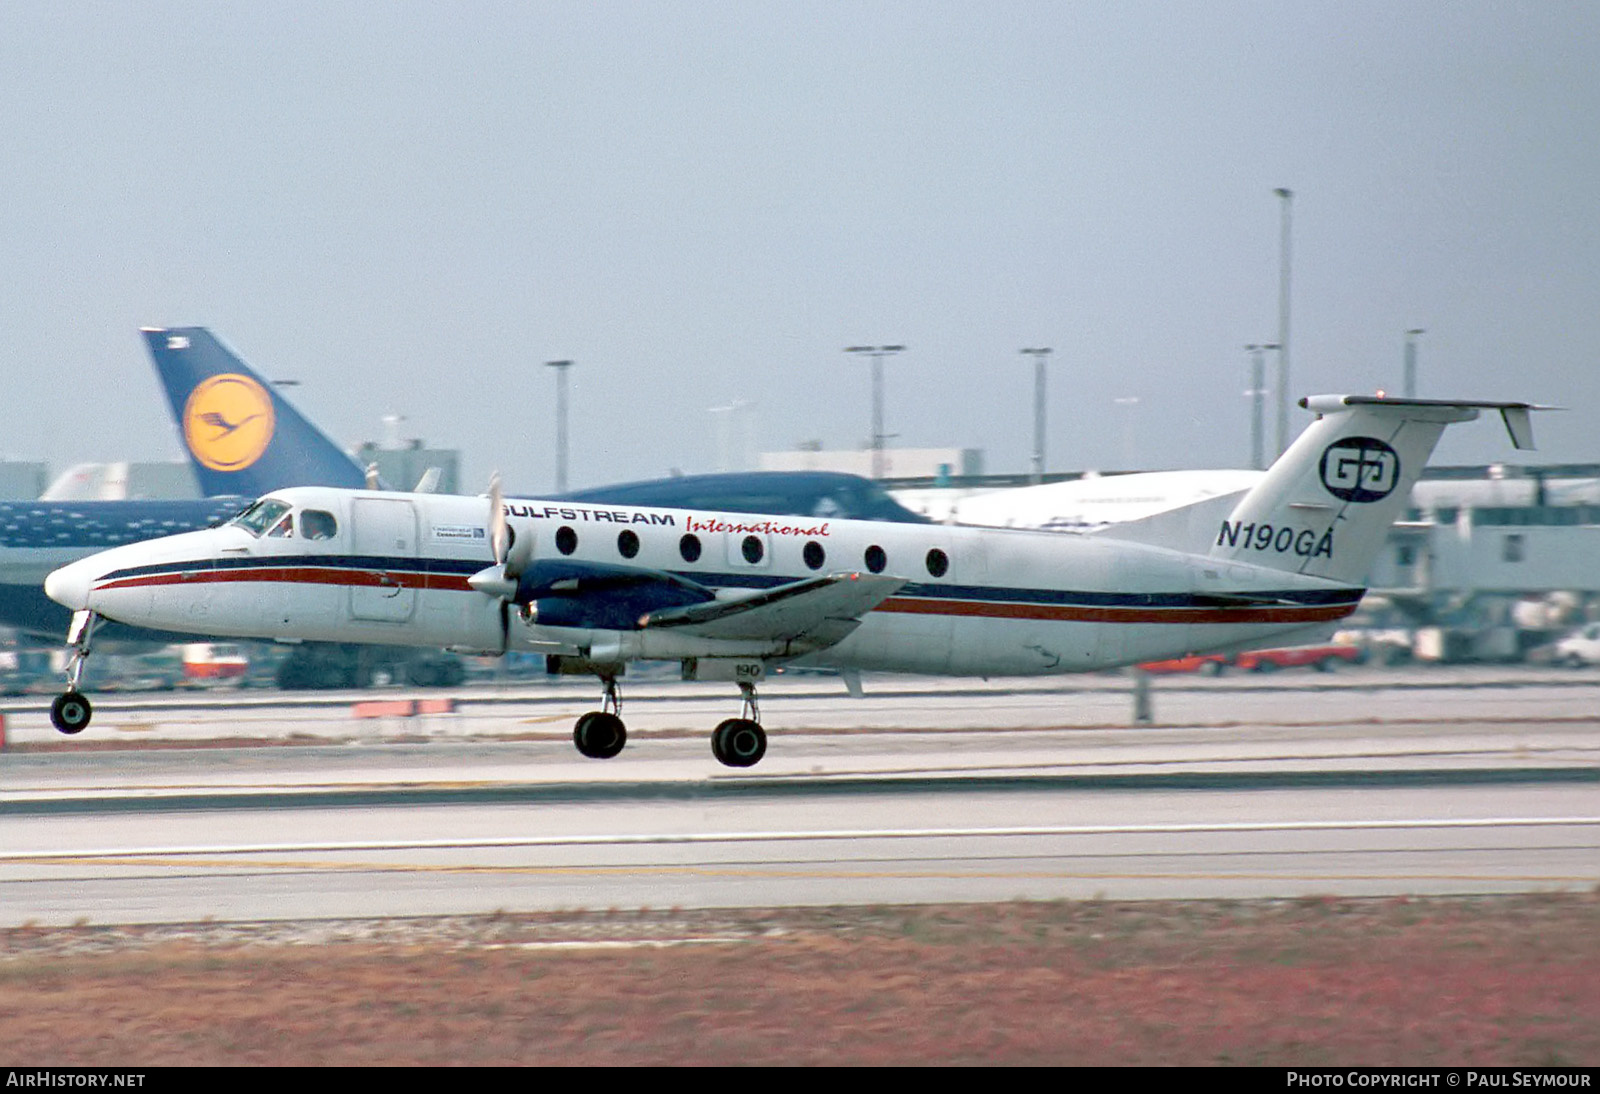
[1489,981]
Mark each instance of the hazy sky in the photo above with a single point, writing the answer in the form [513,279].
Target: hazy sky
[409,207]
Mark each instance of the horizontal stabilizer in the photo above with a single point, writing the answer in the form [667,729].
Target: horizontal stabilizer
[1515,415]
[822,610]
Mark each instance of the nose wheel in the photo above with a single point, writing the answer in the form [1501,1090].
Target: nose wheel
[70,712]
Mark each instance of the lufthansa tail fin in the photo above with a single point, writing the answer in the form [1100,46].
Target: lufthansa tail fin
[1324,508]
[241,436]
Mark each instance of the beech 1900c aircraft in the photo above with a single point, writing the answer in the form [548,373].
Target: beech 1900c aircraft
[594,586]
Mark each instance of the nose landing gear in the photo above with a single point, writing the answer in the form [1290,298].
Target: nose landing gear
[70,712]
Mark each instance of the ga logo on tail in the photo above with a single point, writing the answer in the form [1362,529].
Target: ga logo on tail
[1360,469]
[228,422]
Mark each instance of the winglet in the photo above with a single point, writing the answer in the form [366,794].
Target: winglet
[1519,425]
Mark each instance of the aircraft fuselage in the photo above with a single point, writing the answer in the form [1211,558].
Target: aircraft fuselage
[975,601]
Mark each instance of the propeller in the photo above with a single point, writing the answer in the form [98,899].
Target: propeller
[511,555]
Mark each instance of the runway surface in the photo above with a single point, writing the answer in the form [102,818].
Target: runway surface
[1366,783]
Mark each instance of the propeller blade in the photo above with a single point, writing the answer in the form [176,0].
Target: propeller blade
[510,556]
[520,555]
[499,532]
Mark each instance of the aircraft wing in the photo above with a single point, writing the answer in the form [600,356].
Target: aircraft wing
[819,610]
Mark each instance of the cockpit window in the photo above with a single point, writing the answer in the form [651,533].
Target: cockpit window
[261,516]
[316,524]
[284,529]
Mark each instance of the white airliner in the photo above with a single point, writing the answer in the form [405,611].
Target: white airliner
[595,586]
[1080,505]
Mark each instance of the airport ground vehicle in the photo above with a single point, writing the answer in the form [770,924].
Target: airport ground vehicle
[1324,658]
[1206,664]
[211,662]
[1581,647]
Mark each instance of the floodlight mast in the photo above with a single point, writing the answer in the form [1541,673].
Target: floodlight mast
[877,353]
[561,368]
[1039,354]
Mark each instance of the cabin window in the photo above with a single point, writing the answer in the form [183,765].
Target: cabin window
[751,549]
[627,543]
[689,548]
[261,516]
[875,559]
[566,540]
[1513,548]
[814,555]
[317,524]
[938,563]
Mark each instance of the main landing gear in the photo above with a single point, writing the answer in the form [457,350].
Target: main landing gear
[70,712]
[737,742]
[741,742]
[600,734]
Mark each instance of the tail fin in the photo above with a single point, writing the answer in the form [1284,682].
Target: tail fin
[241,436]
[1324,508]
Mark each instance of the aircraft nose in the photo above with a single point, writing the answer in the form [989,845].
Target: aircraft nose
[70,586]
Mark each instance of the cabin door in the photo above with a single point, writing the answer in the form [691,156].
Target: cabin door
[385,546]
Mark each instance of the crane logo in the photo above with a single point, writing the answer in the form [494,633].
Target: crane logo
[1360,469]
[228,422]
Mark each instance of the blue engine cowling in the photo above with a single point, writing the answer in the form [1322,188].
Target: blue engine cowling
[602,597]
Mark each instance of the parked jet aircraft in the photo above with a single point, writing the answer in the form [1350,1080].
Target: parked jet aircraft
[596,586]
[1078,505]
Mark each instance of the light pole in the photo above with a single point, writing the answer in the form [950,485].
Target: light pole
[1257,392]
[1411,361]
[877,353]
[734,441]
[1038,354]
[561,368]
[1131,402]
[1286,206]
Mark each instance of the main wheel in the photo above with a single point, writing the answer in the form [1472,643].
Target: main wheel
[70,712]
[599,735]
[739,742]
